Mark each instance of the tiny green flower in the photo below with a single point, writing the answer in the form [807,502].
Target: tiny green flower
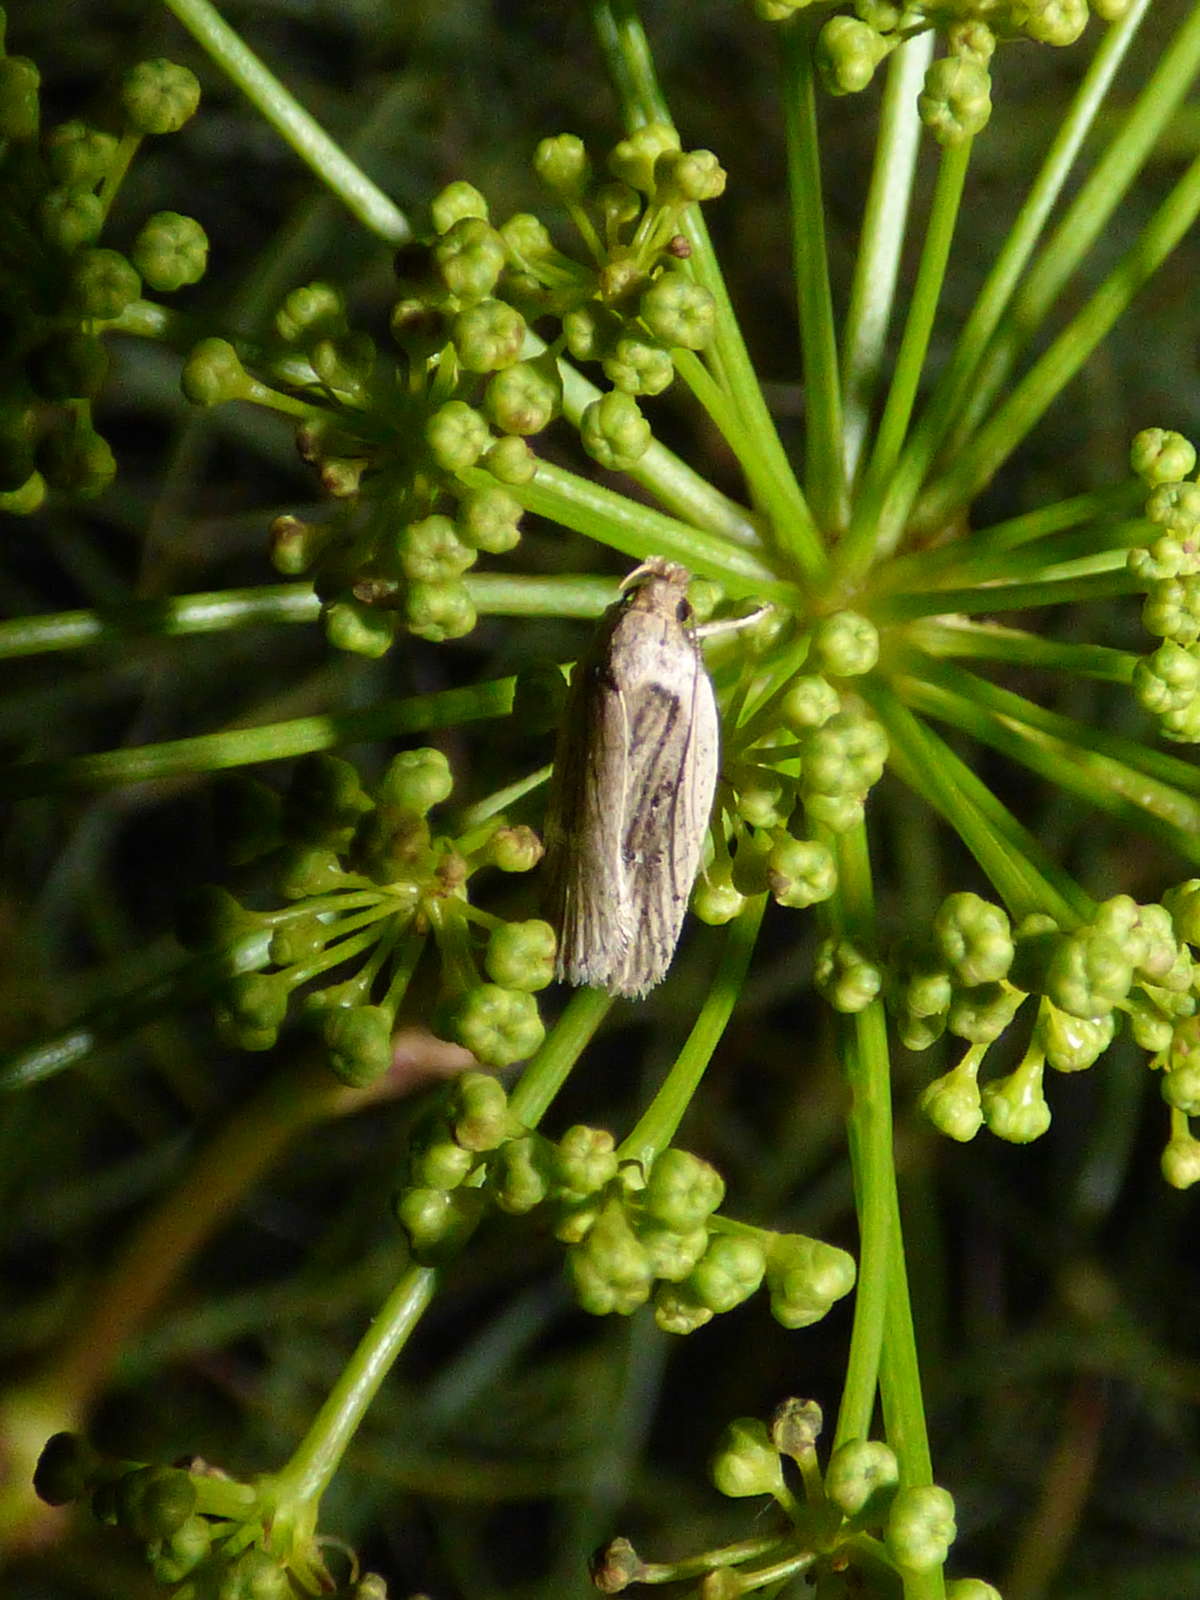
[678,311]
[523,399]
[415,781]
[682,1191]
[359,1041]
[498,1026]
[470,257]
[457,201]
[610,1270]
[614,432]
[488,335]
[520,955]
[805,1277]
[69,219]
[213,373]
[730,1271]
[848,51]
[102,284]
[844,975]
[457,435]
[1014,1107]
[920,1527]
[489,520]
[809,703]
[438,611]
[956,102]
[159,96]
[585,1160]
[430,551]
[170,251]
[20,112]
[562,165]
[633,160]
[79,155]
[800,872]
[745,1461]
[862,1477]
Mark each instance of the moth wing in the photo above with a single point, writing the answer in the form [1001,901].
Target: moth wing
[589,897]
[673,742]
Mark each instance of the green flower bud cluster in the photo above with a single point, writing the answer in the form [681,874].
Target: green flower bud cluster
[424,452]
[59,285]
[1167,682]
[858,1493]
[955,102]
[632,1236]
[186,1522]
[1129,961]
[813,751]
[203,1534]
[368,885]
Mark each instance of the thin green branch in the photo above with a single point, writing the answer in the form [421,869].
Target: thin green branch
[992,641]
[315,1460]
[545,1074]
[1019,868]
[881,243]
[237,747]
[957,386]
[868,540]
[288,117]
[1092,208]
[1108,769]
[1103,784]
[1097,508]
[170,617]
[627,55]
[990,597]
[657,1125]
[302,132]
[636,530]
[825,479]
[982,457]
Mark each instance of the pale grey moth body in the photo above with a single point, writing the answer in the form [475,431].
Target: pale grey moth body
[634,774]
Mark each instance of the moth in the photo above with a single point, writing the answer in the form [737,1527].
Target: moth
[635,769]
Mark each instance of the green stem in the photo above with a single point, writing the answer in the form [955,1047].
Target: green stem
[614,520]
[545,1074]
[864,1053]
[657,1126]
[169,617]
[676,486]
[627,55]
[1095,204]
[278,741]
[316,1459]
[115,1018]
[1023,874]
[1110,772]
[1075,553]
[1098,508]
[982,457]
[867,540]
[1007,596]
[307,138]
[992,641]
[825,480]
[881,242]
[957,386]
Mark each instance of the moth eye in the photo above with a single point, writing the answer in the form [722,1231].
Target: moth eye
[683,611]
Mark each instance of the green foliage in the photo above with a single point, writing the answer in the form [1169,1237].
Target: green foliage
[552,364]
